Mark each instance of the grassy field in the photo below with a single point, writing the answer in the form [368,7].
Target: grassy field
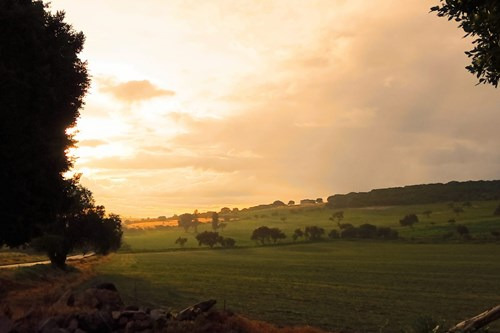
[351,285]
[478,218]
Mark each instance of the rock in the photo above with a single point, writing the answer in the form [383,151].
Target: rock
[67,299]
[192,312]
[156,314]
[99,321]
[103,299]
[49,325]
[132,308]
[5,324]
[107,286]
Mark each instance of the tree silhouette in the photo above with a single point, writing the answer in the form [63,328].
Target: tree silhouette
[79,225]
[42,86]
[481,20]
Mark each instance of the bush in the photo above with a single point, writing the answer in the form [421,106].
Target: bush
[409,220]
[333,234]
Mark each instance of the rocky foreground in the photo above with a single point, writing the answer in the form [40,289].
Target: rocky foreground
[101,309]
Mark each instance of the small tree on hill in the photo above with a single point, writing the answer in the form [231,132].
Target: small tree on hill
[185,221]
[227,242]
[409,220]
[298,233]
[333,234]
[458,210]
[275,234]
[261,234]
[209,238]
[463,231]
[181,241]
[291,203]
[337,215]
[215,221]
[314,233]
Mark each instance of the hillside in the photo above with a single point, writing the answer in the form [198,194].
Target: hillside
[419,194]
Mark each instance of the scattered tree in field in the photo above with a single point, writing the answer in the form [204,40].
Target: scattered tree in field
[185,221]
[369,231]
[319,200]
[463,231]
[276,234]
[278,203]
[427,213]
[181,241]
[80,225]
[291,203]
[227,242]
[481,20]
[225,210]
[343,226]
[409,220]
[261,234]
[337,215]
[209,238]
[298,233]
[452,221]
[43,82]
[162,218]
[313,233]
[283,218]
[222,225]
[333,234]
[495,234]
[497,211]
[215,221]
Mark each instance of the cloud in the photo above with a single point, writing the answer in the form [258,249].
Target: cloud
[133,91]
[91,143]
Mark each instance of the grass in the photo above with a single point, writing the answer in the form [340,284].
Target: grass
[348,285]
[478,218]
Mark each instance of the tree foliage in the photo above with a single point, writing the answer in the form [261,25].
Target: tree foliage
[313,233]
[481,20]
[409,220]
[209,238]
[42,86]
[80,225]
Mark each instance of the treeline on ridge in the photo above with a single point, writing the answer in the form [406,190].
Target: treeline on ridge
[419,194]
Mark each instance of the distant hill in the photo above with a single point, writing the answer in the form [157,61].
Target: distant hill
[419,194]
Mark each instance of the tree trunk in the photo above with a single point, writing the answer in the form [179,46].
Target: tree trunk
[475,323]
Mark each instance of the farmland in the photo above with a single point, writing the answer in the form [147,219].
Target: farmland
[357,285]
[366,285]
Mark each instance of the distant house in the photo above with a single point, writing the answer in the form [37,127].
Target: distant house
[307,201]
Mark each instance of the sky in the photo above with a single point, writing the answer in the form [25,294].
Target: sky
[206,104]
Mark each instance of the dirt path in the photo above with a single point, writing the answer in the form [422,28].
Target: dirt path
[27,264]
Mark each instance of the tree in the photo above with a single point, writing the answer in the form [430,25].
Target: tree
[227,241]
[79,225]
[291,203]
[278,203]
[458,210]
[409,220]
[215,221]
[333,234]
[337,215]
[261,234]
[42,86]
[314,233]
[463,231]
[319,200]
[275,234]
[481,20]
[181,241]
[185,221]
[297,234]
[209,238]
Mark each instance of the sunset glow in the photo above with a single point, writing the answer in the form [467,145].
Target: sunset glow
[201,105]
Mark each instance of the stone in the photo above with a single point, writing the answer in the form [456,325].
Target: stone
[49,325]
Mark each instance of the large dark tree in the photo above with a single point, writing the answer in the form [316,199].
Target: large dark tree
[42,84]
[481,20]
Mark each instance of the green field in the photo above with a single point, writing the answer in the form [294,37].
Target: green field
[357,285]
[364,285]
[478,218]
